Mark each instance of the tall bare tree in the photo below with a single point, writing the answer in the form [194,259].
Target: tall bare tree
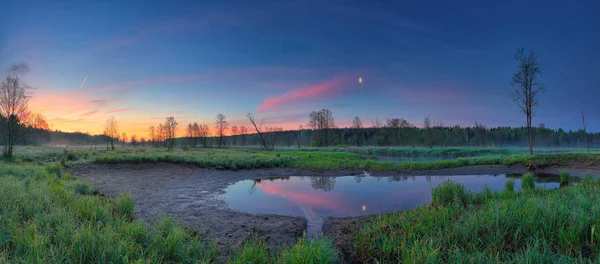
[152,135]
[111,129]
[234,132]
[266,141]
[243,133]
[124,139]
[14,111]
[321,121]
[528,87]
[221,125]
[585,131]
[357,127]
[428,132]
[170,132]
[377,126]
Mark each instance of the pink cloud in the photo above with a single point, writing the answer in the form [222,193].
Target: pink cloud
[325,90]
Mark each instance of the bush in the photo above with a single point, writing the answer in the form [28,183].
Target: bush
[528,182]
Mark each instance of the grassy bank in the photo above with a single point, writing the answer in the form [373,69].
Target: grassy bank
[532,226]
[244,159]
[46,217]
[448,152]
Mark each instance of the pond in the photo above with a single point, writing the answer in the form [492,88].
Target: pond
[317,197]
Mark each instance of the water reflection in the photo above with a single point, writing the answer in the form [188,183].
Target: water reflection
[322,183]
[312,197]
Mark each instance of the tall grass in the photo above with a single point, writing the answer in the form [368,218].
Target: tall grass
[528,182]
[530,227]
[565,178]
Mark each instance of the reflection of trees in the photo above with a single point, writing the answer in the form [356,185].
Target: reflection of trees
[258,181]
[400,178]
[322,183]
[358,178]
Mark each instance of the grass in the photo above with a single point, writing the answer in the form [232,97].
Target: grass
[320,159]
[441,152]
[45,218]
[565,178]
[531,227]
[528,182]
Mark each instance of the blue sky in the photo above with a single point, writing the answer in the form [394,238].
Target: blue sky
[453,60]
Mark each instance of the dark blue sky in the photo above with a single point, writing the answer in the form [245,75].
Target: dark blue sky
[453,60]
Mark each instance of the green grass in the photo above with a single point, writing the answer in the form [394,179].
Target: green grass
[441,152]
[531,227]
[45,218]
[528,182]
[565,178]
[316,159]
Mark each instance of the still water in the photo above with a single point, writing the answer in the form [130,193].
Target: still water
[316,197]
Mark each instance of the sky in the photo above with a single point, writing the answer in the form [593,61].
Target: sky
[141,61]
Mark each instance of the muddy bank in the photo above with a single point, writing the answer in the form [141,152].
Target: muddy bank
[189,195]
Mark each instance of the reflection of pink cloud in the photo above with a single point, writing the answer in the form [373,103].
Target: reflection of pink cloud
[326,90]
[312,199]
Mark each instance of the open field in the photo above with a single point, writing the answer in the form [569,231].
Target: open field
[164,210]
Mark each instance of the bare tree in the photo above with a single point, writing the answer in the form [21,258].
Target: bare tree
[161,135]
[428,132]
[265,141]
[38,121]
[243,133]
[377,126]
[204,134]
[221,125]
[585,131]
[14,111]
[234,132]
[357,127]
[299,135]
[134,140]
[152,135]
[321,121]
[124,139]
[111,129]
[525,79]
[170,132]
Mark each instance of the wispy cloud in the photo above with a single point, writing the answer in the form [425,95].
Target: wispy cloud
[325,90]
[119,110]
[83,83]
[89,113]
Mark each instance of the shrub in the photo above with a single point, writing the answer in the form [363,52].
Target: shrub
[528,182]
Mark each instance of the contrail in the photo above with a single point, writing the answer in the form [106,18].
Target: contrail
[83,83]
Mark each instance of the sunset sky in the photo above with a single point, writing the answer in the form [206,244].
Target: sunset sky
[453,60]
